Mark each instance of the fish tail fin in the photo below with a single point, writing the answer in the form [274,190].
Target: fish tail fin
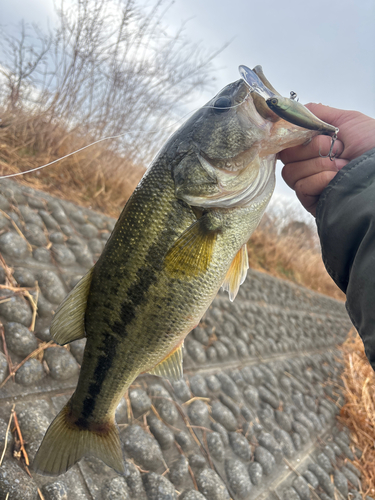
[66,442]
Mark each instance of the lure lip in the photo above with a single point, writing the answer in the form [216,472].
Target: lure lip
[254,83]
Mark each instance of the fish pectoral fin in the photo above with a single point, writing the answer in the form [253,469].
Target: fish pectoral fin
[66,442]
[68,323]
[237,272]
[171,366]
[191,253]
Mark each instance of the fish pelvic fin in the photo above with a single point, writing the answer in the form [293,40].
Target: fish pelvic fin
[171,366]
[237,272]
[68,323]
[191,253]
[66,442]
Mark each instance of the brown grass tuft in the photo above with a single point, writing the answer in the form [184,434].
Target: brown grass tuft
[98,177]
[358,413]
[291,257]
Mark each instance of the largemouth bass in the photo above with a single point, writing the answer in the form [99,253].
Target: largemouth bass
[181,236]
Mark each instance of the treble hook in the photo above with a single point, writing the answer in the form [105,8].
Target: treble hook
[330,155]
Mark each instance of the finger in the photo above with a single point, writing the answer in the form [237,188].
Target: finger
[308,190]
[319,145]
[315,184]
[297,171]
[357,131]
[340,163]
[309,203]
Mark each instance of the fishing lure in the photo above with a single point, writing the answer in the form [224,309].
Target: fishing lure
[290,109]
[296,113]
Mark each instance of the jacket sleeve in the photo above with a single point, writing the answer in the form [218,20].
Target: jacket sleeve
[346,226]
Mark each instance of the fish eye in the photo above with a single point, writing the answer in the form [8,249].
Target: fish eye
[222,104]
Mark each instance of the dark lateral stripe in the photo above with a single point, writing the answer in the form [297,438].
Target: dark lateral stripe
[104,363]
[136,295]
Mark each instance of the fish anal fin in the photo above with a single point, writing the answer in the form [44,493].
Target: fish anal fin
[68,323]
[66,442]
[236,274]
[191,253]
[171,366]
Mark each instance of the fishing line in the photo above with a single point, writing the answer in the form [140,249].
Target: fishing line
[117,137]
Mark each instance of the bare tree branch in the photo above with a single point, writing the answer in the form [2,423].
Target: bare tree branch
[106,68]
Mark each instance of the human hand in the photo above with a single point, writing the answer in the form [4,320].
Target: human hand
[307,172]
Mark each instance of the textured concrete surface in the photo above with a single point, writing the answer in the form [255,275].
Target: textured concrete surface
[253,418]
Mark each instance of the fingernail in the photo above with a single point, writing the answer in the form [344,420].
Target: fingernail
[340,163]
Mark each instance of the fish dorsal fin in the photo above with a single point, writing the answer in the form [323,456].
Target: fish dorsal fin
[236,274]
[191,253]
[68,323]
[171,366]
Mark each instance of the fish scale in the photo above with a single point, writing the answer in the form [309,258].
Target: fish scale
[147,290]
[180,237]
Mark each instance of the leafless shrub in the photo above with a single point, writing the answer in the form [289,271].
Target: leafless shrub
[22,59]
[106,68]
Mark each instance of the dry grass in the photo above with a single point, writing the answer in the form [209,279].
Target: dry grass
[290,258]
[358,413]
[97,177]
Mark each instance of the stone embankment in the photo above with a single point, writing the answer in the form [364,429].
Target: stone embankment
[253,418]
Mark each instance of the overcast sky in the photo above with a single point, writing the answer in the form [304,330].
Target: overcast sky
[324,50]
